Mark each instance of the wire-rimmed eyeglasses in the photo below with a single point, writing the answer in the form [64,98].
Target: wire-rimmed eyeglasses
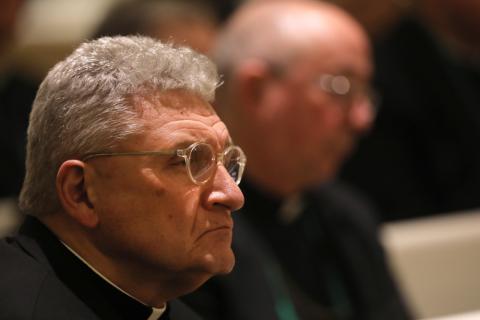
[200,160]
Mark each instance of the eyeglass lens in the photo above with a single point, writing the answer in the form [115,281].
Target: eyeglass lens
[351,90]
[202,162]
[231,161]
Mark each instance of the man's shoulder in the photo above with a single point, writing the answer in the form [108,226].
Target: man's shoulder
[180,311]
[341,196]
[341,204]
[19,267]
[30,290]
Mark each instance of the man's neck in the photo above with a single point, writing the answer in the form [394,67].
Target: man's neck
[157,310]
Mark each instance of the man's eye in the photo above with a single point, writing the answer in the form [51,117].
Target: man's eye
[177,161]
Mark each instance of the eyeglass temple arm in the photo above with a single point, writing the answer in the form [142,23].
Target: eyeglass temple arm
[138,153]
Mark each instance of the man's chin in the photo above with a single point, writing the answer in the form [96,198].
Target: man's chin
[229,268]
[210,266]
[220,264]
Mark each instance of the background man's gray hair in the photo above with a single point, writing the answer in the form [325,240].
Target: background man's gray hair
[85,104]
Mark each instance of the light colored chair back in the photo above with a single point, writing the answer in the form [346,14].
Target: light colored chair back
[437,262]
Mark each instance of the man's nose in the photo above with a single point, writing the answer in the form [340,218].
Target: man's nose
[362,114]
[225,192]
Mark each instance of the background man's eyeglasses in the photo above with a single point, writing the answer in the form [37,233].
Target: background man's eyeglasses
[200,160]
[348,89]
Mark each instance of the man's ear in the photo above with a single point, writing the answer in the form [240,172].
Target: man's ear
[72,193]
[252,78]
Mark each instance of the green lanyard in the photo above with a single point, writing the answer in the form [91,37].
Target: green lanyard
[283,303]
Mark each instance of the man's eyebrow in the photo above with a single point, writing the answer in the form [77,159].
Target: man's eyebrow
[175,143]
[229,142]
[184,143]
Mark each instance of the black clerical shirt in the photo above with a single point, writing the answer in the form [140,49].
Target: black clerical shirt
[322,262]
[41,279]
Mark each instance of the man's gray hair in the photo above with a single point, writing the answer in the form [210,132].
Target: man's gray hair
[85,104]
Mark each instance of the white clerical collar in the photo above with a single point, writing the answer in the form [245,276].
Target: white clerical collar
[291,208]
[156,312]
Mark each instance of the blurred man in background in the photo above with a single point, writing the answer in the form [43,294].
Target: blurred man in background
[296,97]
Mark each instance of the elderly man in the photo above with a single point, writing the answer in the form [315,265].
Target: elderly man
[130,185]
[296,97]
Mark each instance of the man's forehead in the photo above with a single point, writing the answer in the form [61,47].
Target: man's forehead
[176,117]
[177,100]
[336,55]
[179,127]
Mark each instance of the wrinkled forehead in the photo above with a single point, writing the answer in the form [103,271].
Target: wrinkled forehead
[180,100]
[177,118]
